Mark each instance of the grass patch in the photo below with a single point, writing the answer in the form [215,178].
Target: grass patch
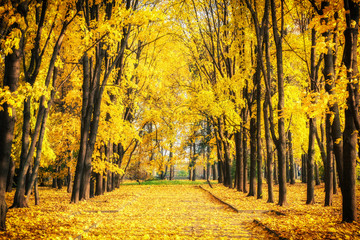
[168,182]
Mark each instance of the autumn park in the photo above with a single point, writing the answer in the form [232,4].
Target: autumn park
[179,119]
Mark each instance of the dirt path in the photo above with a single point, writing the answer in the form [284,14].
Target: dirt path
[173,212]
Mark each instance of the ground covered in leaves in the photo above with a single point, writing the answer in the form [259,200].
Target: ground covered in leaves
[178,212]
[296,220]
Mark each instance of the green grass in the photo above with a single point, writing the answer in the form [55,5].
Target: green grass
[168,182]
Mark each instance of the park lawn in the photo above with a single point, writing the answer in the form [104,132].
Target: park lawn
[298,220]
[167,182]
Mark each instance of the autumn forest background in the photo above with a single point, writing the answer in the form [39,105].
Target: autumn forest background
[258,98]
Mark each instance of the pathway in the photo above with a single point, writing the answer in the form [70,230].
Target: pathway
[173,212]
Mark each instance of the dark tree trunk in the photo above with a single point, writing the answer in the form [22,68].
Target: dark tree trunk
[334,178]
[258,137]
[120,151]
[109,183]
[85,127]
[239,162]
[92,187]
[194,162]
[69,185]
[109,154]
[220,161]
[312,125]
[281,141]
[227,166]
[291,159]
[317,177]
[25,140]
[36,192]
[113,181]
[59,183]
[252,157]
[287,162]
[245,155]
[7,125]
[28,177]
[310,164]
[10,177]
[304,168]
[214,175]
[208,151]
[276,174]
[269,155]
[54,182]
[351,112]
[193,177]
[220,172]
[329,170]
[190,173]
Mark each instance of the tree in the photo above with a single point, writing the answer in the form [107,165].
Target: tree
[351,112]
[280,142]
[12,50]
[94,85]
[41,118]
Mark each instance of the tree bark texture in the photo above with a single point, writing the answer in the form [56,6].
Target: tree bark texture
[352,127]
[252,157]
[291,159]
[281,142]
[7,125]
[239,161]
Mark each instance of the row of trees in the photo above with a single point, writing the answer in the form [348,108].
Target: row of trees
[98,88]
[250,56]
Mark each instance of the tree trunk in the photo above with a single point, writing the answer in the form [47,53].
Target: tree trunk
[105,180]
[59,183]
[194,164]
[258,137]
[85,127]
[334,178]
[220,161]
[36,192]
[350,134]
[69,180]
[329,170]
[276,174]
[33,177]
[291,159]
[214,175]
[92,187]
[54,182]
[7,125]
[269,155]
[227,166]
[208,166]
[193,178]
[10,177]
[287,162]
[245,155]
[19,198]
[310,164]
[252,157]
[99,184]
[281,142]
[317,178]
[239,162]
